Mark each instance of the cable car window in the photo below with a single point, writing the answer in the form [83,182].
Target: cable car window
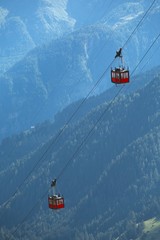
[122,75]
[118,75]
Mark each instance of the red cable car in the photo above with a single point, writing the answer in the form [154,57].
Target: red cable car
[55,201]
[119,75]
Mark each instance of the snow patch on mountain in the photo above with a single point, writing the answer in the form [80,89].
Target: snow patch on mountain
[84,64]
[123,14]
[3,15]
[131,17]
[126,20]
[54,17]
[27,25]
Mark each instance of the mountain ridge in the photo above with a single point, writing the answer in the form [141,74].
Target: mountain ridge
[103,149]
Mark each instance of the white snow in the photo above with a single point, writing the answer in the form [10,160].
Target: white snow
[131,16]
[126,19]
[3,15]
[53,11]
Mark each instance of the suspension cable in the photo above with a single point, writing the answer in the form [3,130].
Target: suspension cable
[91,130]
[84,140]
[72,115]
[139,23]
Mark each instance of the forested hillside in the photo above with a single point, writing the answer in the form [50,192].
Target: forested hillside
[63,119]
[111,184]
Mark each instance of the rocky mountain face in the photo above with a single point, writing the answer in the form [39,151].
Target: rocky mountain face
[110,183]
[66,68]
[107,158]
[25,25]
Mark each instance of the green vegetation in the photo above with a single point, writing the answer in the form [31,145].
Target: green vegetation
[151,229]
[110,187]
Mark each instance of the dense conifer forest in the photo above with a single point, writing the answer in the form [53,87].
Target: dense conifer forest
[111,186]
[66,131]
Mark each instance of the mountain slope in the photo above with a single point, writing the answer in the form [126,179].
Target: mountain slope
[55,76]
[116,173]
[44,19]
[66,69]
[25,25]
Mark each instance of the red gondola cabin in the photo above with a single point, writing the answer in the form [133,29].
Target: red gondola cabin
[119,75]
[55,202]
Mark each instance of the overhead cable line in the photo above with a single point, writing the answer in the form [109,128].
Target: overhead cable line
[30,211]
[88,135]
[150,47]
[85,138]
[139,23]
[72,158]
[58,135]
[155,51]
[147,52]
[99,119]
[73,114]
[36,113]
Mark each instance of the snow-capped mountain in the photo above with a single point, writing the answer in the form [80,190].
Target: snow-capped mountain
[65,69]
[44,19]
[25,25]
[112,144]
